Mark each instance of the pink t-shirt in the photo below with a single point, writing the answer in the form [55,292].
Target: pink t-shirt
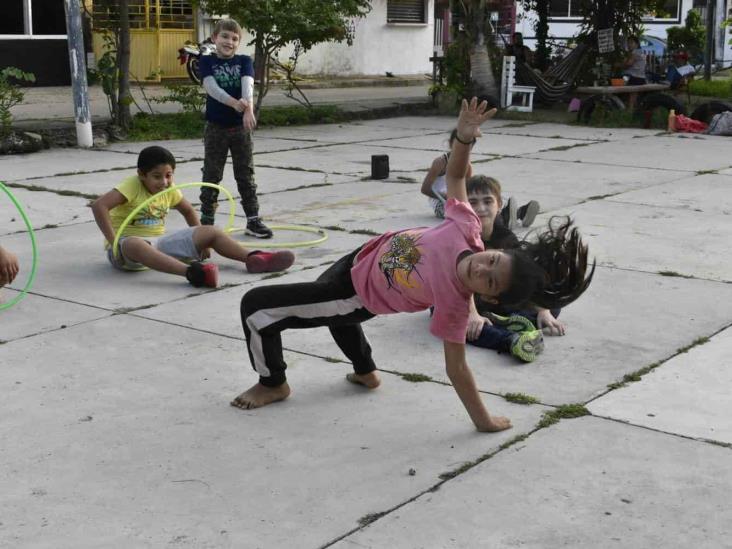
[407,271]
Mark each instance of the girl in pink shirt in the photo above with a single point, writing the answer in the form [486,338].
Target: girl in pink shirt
[407,271]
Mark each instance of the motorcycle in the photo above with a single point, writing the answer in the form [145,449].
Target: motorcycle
[190,55]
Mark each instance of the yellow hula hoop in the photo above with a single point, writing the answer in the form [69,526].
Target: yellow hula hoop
[301,228]
[129,218]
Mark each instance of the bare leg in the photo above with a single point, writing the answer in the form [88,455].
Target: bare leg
[370,380]
[208,236]
[260,395]
[136,249]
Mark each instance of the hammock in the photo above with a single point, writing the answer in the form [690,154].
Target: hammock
[557,81]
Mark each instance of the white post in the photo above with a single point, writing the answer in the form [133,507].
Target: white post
[77,63]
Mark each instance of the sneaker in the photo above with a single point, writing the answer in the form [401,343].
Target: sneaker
[255,227]
[269,262]
[207,219]
[509,214]
[203,274]
[512,323]
[526,345]
[529,213]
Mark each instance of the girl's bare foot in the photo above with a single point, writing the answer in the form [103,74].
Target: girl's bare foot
[260,395]
[370,380]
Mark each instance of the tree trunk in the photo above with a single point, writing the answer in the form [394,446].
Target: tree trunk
[124,118]
[262,57]
[481,69]
[542,32]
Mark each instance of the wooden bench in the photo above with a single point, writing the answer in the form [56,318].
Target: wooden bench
[509,88]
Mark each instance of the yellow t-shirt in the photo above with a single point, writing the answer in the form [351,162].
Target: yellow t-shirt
[150,221]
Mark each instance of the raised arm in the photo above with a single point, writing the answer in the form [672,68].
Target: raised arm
[462,381]
[472,115]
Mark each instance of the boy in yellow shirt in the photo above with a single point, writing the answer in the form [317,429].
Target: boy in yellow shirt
[144,243]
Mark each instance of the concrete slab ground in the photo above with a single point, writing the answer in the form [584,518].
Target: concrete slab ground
[48,209]
[664,151]
[594,483]
[689,396]
[491,144]
[574,132]
[115,428]
[133,465]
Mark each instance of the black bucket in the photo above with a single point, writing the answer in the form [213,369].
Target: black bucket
[379,166]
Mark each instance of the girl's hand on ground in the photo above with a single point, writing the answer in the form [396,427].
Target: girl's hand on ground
[9,267]
[206,253]
[495,424]
[546,322]
[472,115]
[475,326]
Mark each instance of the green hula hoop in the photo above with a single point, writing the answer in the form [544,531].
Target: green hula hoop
[301,228]
[32,276]
[129,218]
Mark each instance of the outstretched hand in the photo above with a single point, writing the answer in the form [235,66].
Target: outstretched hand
[472,115]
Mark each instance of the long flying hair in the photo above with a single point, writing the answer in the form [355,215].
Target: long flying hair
[561,256]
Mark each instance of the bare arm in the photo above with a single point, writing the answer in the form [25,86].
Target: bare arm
[472,115]
[189,214]
[438,165]
[100,209]
[462,381]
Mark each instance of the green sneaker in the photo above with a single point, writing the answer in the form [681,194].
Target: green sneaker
[526,345]
[513,323]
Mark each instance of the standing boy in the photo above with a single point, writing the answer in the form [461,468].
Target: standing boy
[144,245]
[228,79]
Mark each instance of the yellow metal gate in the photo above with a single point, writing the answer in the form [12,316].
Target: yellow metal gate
[158,29]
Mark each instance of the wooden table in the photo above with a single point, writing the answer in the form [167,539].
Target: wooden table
[615,90]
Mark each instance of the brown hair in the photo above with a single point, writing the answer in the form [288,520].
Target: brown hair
[483,184]
[227,25]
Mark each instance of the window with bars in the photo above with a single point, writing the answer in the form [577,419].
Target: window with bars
[148,14]
[406,11]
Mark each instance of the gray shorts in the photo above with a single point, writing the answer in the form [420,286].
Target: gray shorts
[178,244]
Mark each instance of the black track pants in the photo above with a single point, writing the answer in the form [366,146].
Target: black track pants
[329,301]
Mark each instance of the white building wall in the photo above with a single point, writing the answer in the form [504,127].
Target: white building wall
[378,47]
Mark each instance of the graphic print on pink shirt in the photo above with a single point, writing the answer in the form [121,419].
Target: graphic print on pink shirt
[407,271]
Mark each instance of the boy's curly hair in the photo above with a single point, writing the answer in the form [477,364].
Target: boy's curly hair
[551,271]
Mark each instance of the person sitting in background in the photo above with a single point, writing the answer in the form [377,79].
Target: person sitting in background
[522,53]
[634,66]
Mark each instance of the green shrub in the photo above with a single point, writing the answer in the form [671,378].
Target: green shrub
[712,88]
[690,38]
[190,124]
[11,94]
[191,97]
[181,125]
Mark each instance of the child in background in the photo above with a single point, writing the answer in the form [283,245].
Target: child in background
[137,251]
[407,271]
[228,79]
[9,267]
[489,325]
[435,187]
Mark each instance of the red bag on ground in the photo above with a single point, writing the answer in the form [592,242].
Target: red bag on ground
[689,125]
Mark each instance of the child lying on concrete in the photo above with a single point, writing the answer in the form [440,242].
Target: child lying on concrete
[434,187]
